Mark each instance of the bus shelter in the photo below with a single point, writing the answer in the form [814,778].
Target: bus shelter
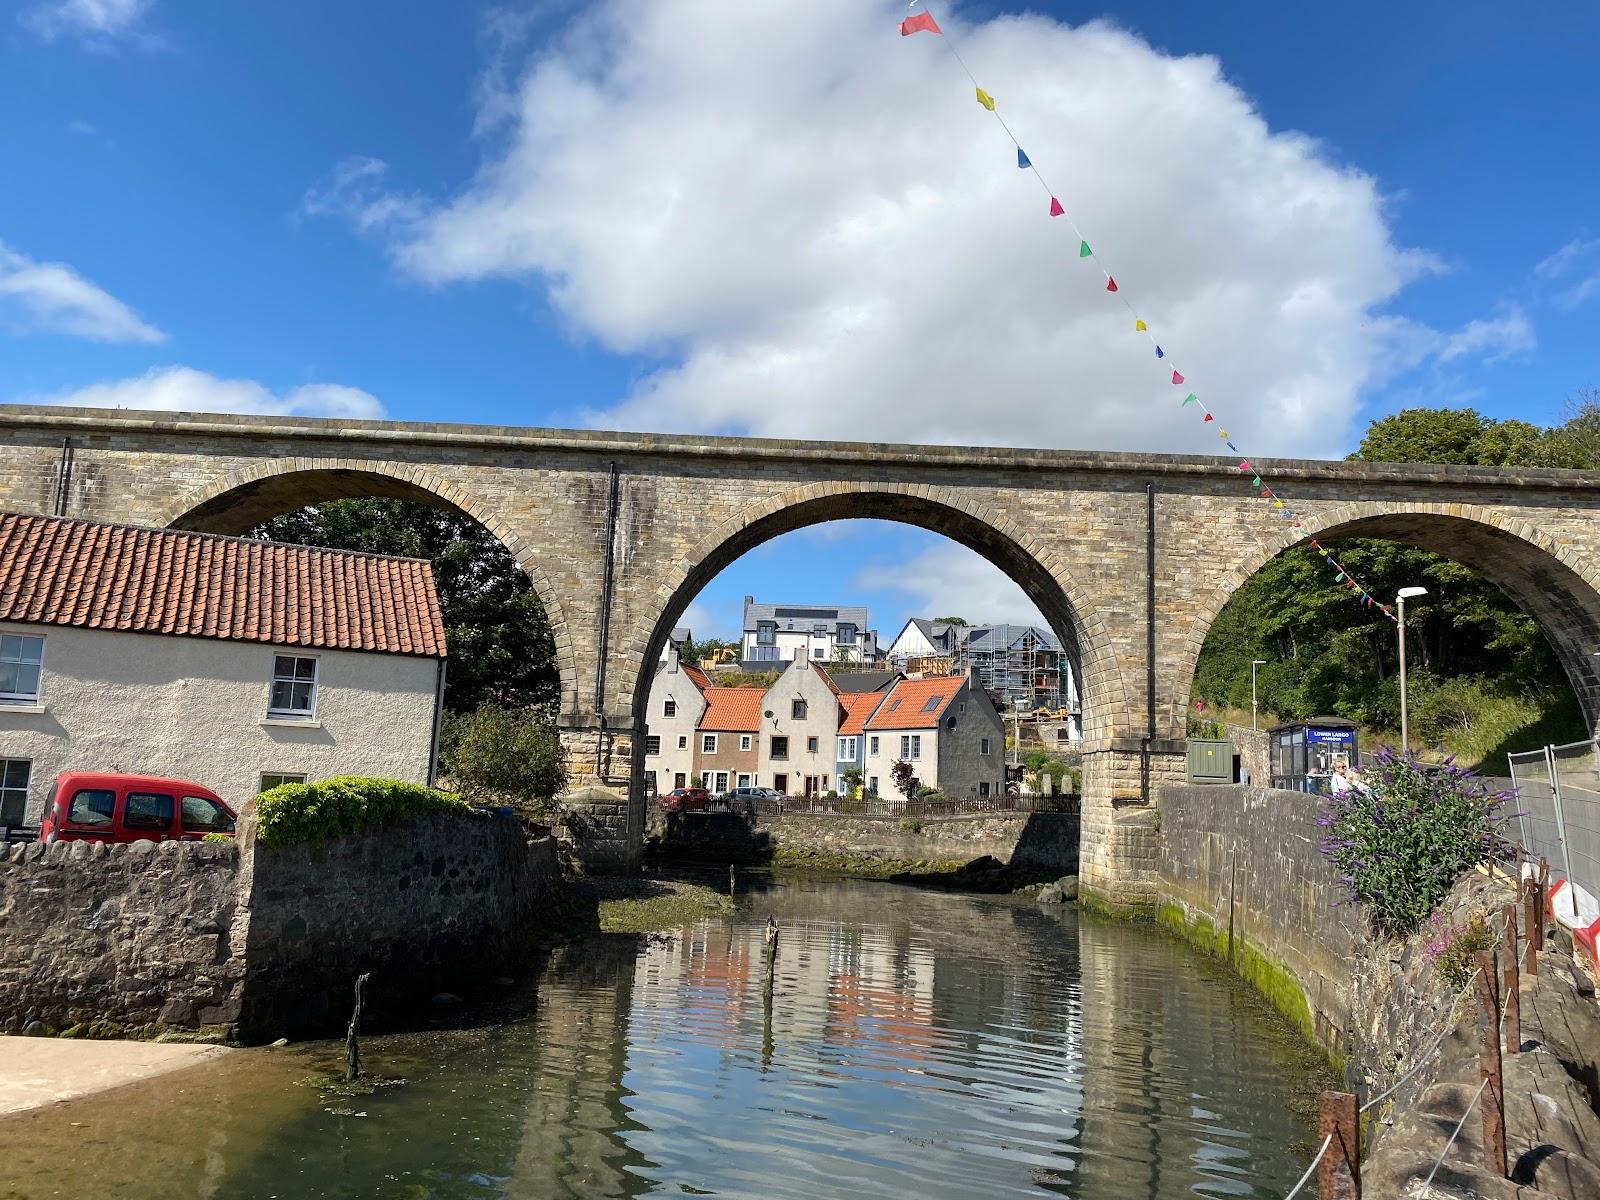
[1302,753]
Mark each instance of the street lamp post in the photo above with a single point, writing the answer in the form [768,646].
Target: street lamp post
[1405,594]
[1254,663]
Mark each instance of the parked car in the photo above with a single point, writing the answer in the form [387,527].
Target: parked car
[745,799]
[93,806]
[686,799]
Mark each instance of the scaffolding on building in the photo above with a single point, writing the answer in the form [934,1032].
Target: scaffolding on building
[1020,665]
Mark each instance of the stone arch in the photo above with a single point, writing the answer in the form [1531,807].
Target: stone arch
[243,498]
[1549,580]
[1040,570]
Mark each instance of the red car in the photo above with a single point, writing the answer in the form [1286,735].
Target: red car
[91,806]
[686,799]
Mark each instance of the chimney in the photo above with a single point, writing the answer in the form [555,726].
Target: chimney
[672,657]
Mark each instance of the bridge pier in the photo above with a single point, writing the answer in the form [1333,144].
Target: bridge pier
[1119,853]
[602,824]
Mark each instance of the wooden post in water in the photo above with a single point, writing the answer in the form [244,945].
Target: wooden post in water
[1493,1097]
[732,881]
[1339,1172]
[352,1049]
[1510,984]
[770,953]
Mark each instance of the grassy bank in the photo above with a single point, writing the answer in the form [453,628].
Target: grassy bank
[859,866]
[628,905]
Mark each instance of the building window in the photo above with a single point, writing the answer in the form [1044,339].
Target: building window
[652,744]
[797,710]
[872,748]
[669,709]
[705,780]
[983,787]
[744,781]
[983,746]
[820,631]
[683,741]
[764,654]
[931,703]
[847,749]
[780,747]
[744,741]
[147,810]
[911,746]
[819,652]
[872,785]
[722,781]
[811,745]
[268,782]
[201,815]
[708,743]
[14,776]
[766,633]
[20,657]
[846,634]
[294,686]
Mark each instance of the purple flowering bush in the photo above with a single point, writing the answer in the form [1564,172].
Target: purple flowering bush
[1401,844]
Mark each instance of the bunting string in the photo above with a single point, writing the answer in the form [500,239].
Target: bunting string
[923,22]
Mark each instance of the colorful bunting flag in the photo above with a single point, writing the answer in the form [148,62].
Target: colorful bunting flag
[1223,434]
[1085,252]
[1276,503]
[1159,353]
[1244,466]
[1315,545]
[1232,447]
[1022,159]
[1340,578]
[1176,378]
[1189,399]
[985,99]
[1055,207]
[1208,418]
[917,24]
[1111,284]
[1139,325]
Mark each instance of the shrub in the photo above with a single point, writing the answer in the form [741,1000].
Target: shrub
[308,812]
[910,825]
[905,779]
[1400,845]
[1453,951]
[507,756]
[853,778]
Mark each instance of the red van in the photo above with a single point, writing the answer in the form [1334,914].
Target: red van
[91,806]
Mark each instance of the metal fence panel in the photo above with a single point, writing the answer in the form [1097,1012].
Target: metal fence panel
[1536,803]
[1576,770]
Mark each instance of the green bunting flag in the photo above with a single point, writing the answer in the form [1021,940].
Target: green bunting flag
[1083,250]
[1189,399]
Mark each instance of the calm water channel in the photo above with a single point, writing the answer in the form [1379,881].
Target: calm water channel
[920,1044]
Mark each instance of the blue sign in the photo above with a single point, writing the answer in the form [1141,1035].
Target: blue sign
[1332,737]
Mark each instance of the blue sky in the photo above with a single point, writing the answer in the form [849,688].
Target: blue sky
[789,220]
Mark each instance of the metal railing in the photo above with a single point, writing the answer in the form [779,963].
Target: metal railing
[1558,797]
[882,806]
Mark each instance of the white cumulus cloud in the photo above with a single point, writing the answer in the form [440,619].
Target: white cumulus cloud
[1572,273]
[948,580]
[51,297]
[808,228]
[184,389]
[95,20]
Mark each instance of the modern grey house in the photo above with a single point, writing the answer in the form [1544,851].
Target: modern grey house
[775,634]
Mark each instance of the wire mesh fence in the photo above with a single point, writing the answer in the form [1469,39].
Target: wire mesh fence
[1558,801]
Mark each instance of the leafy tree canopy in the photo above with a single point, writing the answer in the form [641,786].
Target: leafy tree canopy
[960,621]
[499,641]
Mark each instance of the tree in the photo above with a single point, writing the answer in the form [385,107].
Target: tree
[852,778]
[960,621]
[498,638]
[905,780]
[507,756]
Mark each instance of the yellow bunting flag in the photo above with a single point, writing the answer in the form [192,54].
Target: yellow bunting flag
[985,99]
[1140,326]
[1277,504]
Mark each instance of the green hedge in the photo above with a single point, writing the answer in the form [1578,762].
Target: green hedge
[308,812]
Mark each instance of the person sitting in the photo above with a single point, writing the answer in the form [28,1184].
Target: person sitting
[1344,779]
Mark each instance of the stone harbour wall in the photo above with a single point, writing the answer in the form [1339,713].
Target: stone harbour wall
[116,939]
[236,939]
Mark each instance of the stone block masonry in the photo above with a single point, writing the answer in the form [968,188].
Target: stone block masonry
[1070,527]
[237,939]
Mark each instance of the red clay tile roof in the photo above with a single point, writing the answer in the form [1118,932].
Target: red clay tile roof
[913,695]
[735,710]
[827,679]
[58,571]
[858,707]
[697,677]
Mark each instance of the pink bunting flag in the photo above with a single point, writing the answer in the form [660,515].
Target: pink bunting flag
[1055,207]
[1176,378]
[1245,466]
[923,21]
[1111,284]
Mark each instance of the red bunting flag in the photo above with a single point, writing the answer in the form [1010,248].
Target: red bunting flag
[922,22]
[1055,207]
[1208,417]
[1176,378]
[1111,284]
[1315,545]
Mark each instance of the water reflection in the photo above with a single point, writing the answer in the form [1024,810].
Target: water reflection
[919,1044]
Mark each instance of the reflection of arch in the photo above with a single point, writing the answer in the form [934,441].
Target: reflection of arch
[254,494]
[1041,573]
[1557,587]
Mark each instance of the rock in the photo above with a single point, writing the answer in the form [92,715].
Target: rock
[446,1000]
[983,865]
[1051,894]
[35,1029]
[279,1044]
[1069,887]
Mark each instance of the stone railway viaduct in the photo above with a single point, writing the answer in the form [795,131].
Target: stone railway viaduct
[1128,556]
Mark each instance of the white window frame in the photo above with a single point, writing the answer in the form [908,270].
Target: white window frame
[744,779]
[25,698]
[872,784]
[910,746]
[669,707]
[708,743]
[820,652]
[705,780]
[722,782]
[872,744]
[847,749]
[984,746]
[745,741]
[281,777]
[294,714]
[683,741]
[25,789]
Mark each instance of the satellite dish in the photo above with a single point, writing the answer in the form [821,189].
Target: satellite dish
[768,713]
